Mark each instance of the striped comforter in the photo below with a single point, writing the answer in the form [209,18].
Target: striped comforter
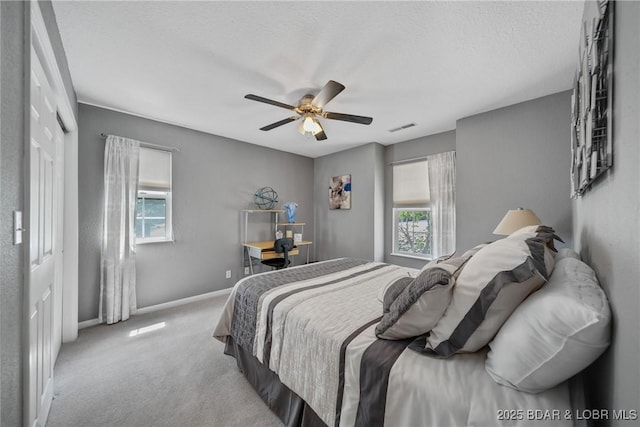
[314,326]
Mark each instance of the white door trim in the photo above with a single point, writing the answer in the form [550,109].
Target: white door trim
[66,112]
[39,31]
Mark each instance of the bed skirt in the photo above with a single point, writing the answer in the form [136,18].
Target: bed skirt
[288,406]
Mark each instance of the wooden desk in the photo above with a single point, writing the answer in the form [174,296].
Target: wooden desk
[264,250]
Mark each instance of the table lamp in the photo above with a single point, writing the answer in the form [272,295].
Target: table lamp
[515,219]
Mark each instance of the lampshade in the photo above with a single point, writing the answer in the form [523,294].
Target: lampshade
[310,124]
[515,219]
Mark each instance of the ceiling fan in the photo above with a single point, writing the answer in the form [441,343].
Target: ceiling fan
[310,108]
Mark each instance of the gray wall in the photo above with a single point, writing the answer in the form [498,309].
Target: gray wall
[354,232]
[607,230]
[12,39]
[214,178]
[517,156]
[14,45]
[420,147]
[506,158]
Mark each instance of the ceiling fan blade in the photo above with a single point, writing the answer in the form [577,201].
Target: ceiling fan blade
[280,123]
[320,136]
[269,101]
[348,118]
[327,93]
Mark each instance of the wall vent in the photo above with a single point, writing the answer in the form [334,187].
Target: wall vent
[402,127]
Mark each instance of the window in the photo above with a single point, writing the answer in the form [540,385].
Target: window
[412,232]
[412,224]
[151,216]
[153,208]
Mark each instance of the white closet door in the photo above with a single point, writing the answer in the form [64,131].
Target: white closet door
[42,203]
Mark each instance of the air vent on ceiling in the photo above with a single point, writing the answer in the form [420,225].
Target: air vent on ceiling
[402,127]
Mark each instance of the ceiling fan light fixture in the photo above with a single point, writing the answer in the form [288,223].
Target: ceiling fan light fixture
[311,124]
[308,124]
[317,128]
[309,109]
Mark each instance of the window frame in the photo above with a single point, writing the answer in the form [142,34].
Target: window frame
[150,191]
[394,240]
[168,235]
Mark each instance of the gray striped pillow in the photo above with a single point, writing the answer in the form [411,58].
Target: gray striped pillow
[412,307]
[490,286]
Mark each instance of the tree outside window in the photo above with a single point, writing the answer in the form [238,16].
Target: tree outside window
[413,232]
[151,217]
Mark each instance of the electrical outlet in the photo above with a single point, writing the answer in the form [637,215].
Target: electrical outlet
[228,274]
[246,271]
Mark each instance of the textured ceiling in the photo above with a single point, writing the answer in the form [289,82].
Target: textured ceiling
[428,63]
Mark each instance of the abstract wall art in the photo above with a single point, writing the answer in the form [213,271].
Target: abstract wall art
[592,101]
[340,192]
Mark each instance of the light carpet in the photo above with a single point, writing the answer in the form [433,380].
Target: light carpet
[124,375]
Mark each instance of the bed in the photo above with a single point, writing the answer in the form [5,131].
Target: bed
[305,338]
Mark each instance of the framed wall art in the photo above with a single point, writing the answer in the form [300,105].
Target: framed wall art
[340,192]
[592,101]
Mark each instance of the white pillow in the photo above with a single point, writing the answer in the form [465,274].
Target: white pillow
[554,334]
[529,230]
[566,253]
[491,285]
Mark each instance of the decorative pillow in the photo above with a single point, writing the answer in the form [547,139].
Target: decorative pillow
[412,307]
[430,264]
[530,230]
[554,334]
[392,290]
[541,231]
[490,286]
[474,250]
[436,261]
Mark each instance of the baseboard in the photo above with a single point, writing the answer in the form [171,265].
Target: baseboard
[164,305]
[182,301]
[88,323]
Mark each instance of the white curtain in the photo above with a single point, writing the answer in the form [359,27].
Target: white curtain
[118,256]
[442,185]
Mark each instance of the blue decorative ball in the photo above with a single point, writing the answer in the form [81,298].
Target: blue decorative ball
[265,198]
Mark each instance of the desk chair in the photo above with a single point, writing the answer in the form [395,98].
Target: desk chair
[280,246]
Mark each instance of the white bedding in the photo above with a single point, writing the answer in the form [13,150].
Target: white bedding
[308,327]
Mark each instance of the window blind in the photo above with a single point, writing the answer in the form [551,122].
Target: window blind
[154,170]
[411,183]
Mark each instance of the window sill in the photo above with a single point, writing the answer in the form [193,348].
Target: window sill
[147,242]
[412,256]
